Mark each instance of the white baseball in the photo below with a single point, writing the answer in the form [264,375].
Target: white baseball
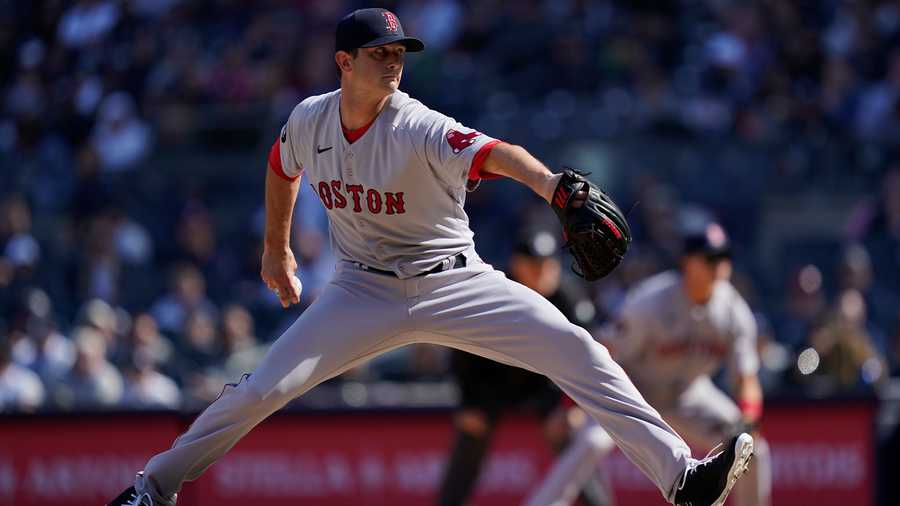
[295,281]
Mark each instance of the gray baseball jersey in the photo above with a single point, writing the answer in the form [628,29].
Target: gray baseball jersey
[665,342]
[395,196]
[394,199]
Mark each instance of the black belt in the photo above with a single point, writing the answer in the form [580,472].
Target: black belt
[458,263]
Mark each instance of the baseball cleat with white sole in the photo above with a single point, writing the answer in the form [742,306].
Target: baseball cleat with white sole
[708,482]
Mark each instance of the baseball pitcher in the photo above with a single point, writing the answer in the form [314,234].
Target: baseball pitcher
[393,175]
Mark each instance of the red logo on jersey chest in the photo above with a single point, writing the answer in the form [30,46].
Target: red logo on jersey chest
[460,141]
[392,23]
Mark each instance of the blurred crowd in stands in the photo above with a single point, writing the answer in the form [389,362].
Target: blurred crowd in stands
[133,136]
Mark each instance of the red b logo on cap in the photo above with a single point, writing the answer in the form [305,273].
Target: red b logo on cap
[392,23]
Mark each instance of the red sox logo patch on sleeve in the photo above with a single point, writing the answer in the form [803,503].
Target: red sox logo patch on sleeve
[460,141]
[392,23]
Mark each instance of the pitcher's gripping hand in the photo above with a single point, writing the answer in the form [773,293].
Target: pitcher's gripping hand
[278,268]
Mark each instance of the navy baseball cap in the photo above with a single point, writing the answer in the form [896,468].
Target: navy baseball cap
[370,28]
[711,242]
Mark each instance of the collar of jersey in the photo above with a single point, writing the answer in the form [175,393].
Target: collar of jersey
[390,106]
[354,135]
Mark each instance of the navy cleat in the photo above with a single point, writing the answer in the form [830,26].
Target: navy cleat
[708,482]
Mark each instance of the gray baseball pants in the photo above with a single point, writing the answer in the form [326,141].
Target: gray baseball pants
[362,314]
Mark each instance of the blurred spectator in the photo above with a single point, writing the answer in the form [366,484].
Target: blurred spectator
[44,350]
[132,241]
[93,382]
[201,344]
[31,319]
[121,139]
[876,225]
[197,235]
[96,314]
[855,273]
[146,339]
[876,116]
[91,195]
[877,220]
[6,279]
[117,248]
[242,350]
[186,295]
[839,91]
[848,359]
[26,97]
[21,252]
[99,269]
[198,243]
[20,388]
[804,305]
[202,350]
[87,22]
[15,218]
[855,269]
[146,387]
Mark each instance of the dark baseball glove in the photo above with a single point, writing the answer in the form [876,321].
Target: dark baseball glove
[594,228]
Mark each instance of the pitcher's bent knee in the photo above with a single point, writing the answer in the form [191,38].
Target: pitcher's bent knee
[245,397]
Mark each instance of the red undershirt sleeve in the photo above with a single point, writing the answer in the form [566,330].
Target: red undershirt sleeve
[275,163]
[475,171]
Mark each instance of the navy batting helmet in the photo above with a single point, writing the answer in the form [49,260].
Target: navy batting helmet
[711,242]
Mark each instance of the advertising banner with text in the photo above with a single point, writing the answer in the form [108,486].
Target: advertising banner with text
[822,454]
